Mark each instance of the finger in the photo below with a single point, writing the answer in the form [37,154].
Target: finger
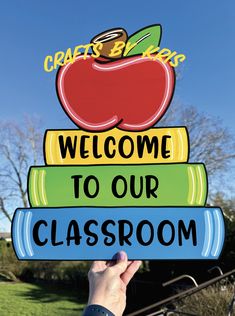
[113,261]
[121,264]
[98,266]
[130,271]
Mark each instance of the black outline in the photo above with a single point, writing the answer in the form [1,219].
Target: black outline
[100,132]
[135,131]
[58,97]
[122,165]
[140,30]
[108,59]
[118,123]
[113,60]
[108,259]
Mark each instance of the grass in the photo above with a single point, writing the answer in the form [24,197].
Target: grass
[25,299]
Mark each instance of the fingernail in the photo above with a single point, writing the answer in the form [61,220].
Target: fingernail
[115,257]
[121,255]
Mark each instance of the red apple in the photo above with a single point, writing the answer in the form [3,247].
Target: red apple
[130,93]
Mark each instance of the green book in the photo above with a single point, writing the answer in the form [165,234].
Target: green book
[118,185]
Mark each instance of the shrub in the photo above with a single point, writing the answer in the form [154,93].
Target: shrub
[212,301]
[72,272]
[8,260]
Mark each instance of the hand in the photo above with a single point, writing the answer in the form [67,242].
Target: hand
[108,282]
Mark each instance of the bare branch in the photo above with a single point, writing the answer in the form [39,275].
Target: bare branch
[3,209]
[19,149]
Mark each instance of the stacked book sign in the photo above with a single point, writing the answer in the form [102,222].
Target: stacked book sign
[117,182]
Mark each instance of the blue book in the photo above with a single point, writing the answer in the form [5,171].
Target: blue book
[88,233]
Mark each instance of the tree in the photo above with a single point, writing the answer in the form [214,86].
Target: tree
[228,207]
[20,147]
[210,142]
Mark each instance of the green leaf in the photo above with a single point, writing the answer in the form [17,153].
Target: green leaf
[150,35]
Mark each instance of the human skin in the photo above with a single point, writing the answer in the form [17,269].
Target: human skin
[108,282]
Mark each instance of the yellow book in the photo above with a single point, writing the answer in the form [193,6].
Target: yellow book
[77,147]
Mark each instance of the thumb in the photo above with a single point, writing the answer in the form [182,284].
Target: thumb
[122,263]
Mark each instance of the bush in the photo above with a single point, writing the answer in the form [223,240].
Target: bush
[212,301]
[8,260]
[72,272]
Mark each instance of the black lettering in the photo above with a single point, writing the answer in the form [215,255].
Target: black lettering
[114,187]
[151,186]
[186,233]
[121,146]
[160,233]
[83,152]
[73,226]
[67,146]
[76,185]
[139,233]
[95,147]
[132,187]
[107,147]
[165,153]
[86,186]
[36,238]
[144,141]
[107,233]
[89,233]
[53,234]
[123,235]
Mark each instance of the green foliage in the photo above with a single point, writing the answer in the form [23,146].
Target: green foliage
[72,272]
[8,260]
[228,207]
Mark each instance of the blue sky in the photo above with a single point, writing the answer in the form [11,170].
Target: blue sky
[202,30]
